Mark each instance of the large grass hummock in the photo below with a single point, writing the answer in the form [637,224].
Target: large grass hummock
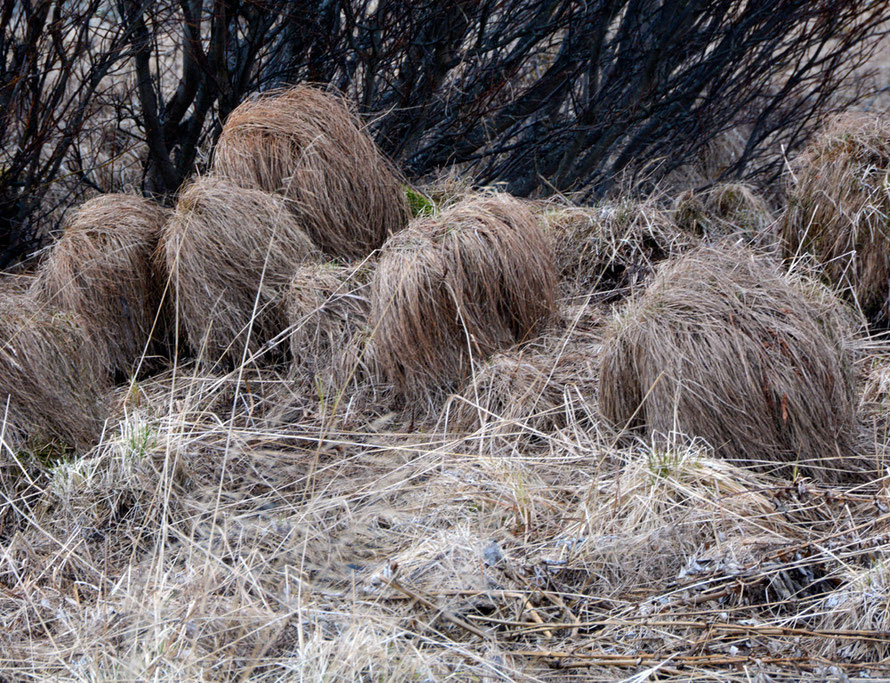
[463,284]
[230,253]
[724,347]
[306,145]
[101,271]
[838,208]
[53,379]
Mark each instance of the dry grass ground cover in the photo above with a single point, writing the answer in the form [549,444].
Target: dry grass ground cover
[101,270]
[230,253]
[457,286]
[838,205]
[206,539]
[611,248]
[726,209]
[268,522]
[724,347]
[306,145]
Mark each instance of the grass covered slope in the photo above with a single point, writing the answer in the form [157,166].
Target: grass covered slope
[310,519]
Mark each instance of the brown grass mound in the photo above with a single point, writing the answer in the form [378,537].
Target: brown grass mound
[724,209]
[474,279]
[231,253]
[545,386]
[724,347]
[327,308]
[52,384]
[306,144]
[101,271]
[838,206]
[611,248]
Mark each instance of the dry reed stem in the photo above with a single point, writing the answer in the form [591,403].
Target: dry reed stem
[231,253]
[307,145]
[101,271]
[459,285]
[838,206]
[724,347]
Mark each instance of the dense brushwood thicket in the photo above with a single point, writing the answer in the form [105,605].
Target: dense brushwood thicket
[538,95]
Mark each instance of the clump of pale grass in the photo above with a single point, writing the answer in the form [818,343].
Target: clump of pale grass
[724,209]
[536,389]
[52,378]
[613,247]
[327,307]
[666,507]
[459,285]
[838,205]
[230,253]
[724,347]
[306,145]
[858,605]
[101,271]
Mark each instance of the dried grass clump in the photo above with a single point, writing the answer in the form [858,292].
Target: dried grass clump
[545,386]
[838,206]
[611,248]
[724,347]
[465,283]
[231,253]
[859,604]
[724,209]
[101,271]
[525,392]
[327,307]
[667,509]
[52,382]
[306,145]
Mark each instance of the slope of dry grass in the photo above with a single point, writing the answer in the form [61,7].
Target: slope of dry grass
[289,523]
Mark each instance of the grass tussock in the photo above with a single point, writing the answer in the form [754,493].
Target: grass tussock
[838,206]
[612,248]
[231,253]
[724,347]
[725,209]
[306,145]
[327,307]
[457,286]
[545,386]
[52,379]
[101,271]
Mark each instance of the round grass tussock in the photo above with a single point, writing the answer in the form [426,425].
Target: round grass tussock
[306,145]
[525,392]
[477,278]
[612,248]
[724,347]
[724,209]
[838,206]
[327,309]
[231,253]
[52,379]
[101,271]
